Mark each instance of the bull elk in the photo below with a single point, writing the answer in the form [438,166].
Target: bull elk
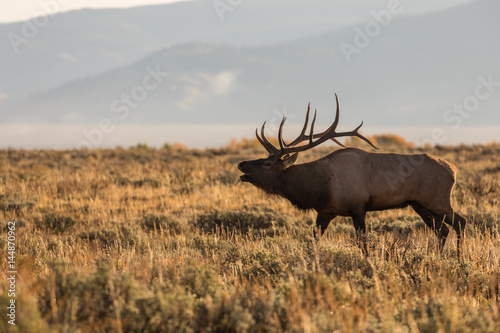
[351,181]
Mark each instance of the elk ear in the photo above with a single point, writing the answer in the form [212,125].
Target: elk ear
[290,159]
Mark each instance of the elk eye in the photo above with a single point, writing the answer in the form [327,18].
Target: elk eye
[268,164]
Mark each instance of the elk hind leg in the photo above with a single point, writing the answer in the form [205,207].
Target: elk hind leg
[433,221]
[458,223]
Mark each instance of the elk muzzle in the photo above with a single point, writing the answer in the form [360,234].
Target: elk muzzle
[242,168]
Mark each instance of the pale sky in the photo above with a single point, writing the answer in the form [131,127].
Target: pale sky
[21,10]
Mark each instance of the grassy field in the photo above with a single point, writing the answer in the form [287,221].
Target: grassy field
[169,240]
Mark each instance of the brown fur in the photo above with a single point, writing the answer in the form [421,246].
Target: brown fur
[351,182]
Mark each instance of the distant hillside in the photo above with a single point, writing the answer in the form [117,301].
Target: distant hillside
[409,75]
[81,43]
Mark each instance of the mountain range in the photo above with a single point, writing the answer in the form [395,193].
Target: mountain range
[182,64]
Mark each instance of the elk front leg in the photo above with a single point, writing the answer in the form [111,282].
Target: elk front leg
[358,218]
[322,222]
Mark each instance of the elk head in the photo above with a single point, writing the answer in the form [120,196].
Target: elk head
[265,173]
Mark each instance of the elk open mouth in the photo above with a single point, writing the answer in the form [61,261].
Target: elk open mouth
[245,178]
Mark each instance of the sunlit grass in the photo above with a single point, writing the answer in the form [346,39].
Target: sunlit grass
[148,240]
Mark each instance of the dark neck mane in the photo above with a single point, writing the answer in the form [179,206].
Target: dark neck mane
[304,188]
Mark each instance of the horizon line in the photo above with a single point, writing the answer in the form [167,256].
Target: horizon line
[61,136]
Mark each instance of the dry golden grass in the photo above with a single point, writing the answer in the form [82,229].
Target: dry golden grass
[169,240]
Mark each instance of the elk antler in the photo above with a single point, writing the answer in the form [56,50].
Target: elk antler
[292,147]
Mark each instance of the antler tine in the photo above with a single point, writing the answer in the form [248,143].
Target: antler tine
[306,122]
[260,140]
[311,136]
[337,114]
[302,136]
[263,135]
[337,142]
[264,142]
[355,132]
[280,134]
[333,125]
[336,121]
[362,137]
[272,149]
